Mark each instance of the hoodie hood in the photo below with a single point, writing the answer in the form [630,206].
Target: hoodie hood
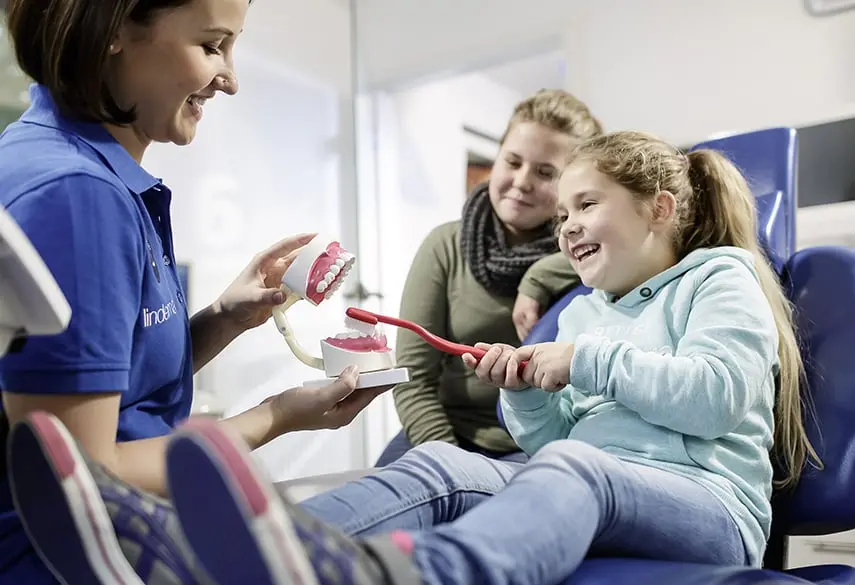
[650,287]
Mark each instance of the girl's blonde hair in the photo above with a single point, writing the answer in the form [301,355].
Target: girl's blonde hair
[557,110]
[714,207]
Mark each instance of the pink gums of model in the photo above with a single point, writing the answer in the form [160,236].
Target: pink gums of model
[326,274]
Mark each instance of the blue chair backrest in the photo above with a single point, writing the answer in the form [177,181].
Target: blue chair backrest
[821,285]
[768,159]
[546,328]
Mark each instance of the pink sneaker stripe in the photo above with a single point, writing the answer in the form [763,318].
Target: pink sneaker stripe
[249,486]
[60,454]
[403,541]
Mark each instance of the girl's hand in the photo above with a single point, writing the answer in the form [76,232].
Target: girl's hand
[548,365]
[498,367]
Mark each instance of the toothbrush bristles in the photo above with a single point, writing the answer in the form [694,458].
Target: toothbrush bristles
[357,325]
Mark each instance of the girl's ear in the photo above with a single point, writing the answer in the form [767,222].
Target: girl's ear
[663,209]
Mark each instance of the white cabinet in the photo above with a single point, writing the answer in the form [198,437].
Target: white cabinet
[832,224]
[833,549]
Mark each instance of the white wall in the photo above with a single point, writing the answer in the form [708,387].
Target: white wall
[423,176]
[405,40]
[312,38]
[686,70]
[681,69]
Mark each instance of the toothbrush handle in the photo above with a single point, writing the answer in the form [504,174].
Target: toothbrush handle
[437,342]
[480,353]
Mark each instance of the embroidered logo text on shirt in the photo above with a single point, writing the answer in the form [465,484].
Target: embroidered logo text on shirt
[159,316]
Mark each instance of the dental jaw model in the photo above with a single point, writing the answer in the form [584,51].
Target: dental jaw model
[315,275]
[31,303]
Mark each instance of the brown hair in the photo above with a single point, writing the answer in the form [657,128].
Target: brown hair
[557,110]
[64,45]
[715,207]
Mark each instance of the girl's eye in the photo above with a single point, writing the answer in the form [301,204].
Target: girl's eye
[558,222]
[212,49]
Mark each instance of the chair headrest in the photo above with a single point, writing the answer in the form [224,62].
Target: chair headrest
[821,285]
[772,224]
[767,159]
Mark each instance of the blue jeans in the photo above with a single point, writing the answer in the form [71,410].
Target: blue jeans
[400,444]
[538,520]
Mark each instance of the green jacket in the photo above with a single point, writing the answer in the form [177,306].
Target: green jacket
[443,399]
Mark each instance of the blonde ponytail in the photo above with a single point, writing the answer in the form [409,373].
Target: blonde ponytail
[724,214]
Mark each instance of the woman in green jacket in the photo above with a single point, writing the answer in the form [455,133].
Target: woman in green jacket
[486,277]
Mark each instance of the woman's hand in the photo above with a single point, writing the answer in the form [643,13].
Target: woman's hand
[548,364]
[499,366]
[249,300]
[525,314]
[329,407]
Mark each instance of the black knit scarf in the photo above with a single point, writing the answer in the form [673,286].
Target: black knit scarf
[498,267]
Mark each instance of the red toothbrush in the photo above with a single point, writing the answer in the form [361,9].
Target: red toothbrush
[436,341]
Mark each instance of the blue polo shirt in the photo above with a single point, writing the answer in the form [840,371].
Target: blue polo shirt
[102,225]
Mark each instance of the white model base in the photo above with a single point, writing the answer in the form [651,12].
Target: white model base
[336,359]
[368,379]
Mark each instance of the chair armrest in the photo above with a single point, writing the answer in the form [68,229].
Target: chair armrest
[306,487]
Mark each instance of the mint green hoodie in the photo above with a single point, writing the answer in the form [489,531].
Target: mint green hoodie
[678,374]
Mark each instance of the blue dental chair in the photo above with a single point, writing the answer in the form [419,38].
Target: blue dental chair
[820,282]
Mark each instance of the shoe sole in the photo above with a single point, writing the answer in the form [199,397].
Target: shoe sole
[240,515]
[60,506]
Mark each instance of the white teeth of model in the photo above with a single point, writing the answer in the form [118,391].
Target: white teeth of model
[322,286]
[330,291]
[339,262]
[335,269]
[329,277]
